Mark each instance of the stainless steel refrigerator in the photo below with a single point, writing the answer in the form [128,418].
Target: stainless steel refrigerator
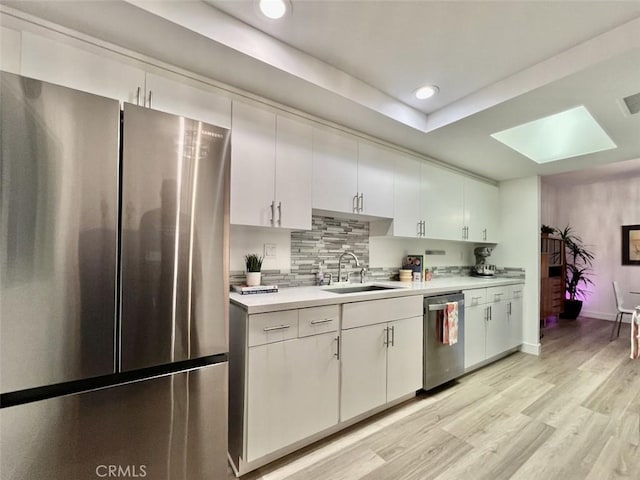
[113,288]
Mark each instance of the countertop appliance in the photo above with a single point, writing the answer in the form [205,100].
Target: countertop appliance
[482,268]
[442,363]
[113,288]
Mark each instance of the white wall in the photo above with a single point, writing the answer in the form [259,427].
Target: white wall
[520,247]
[596,211]
[388,252]
[244,240]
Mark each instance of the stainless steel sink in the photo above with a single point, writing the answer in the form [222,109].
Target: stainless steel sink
[359,288]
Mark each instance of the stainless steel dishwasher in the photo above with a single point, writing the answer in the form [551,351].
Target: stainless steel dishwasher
[442,362]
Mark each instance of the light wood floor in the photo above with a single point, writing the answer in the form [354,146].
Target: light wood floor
[572,413]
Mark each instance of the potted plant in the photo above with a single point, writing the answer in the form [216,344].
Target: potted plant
[254,264]
[546,230]
[578,264]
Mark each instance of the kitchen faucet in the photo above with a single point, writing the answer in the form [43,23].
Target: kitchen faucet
[340,265]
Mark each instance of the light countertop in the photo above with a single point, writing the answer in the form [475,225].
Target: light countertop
[302,297]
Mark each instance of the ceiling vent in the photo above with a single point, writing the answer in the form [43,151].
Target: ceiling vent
[633,103]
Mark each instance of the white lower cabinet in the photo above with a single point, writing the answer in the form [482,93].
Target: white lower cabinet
[514,314]
[297,374]
[381,360]
[474,334]
[364,370]
[404,358]
[492,322]
[292,392]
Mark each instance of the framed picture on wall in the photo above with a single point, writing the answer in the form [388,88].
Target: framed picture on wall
[631,245]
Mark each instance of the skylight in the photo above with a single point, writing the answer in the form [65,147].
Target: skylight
[562,135]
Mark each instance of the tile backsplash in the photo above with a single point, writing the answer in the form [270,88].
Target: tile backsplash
[328,238]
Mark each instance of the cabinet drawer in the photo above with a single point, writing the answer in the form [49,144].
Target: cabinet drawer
[377,311]
[474,297]
[516,291]
[497,294]
[272,327]
[312,321]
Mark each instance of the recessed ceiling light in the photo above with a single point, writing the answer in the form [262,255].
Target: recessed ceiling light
[562,135]
[427,91]
[273,8]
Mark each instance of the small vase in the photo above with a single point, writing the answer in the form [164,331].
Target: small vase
[253,279]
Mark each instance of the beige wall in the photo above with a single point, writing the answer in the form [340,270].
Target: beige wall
[596,211]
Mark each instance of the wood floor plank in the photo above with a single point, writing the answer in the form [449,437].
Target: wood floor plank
[353,463]
[500,458]
[571,451]
[559,403]
[480,416]
[618,390]
[420,459]
[618,460]
[433,415]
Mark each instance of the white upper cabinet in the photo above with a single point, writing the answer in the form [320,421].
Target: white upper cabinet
[375,180]
[294,165]
[351,176]
[407,216]
[74,67]
[442,202]
[69,66]
[253,166]
[335,171]
[177,97]
[271,164]
[481,211]
[10,46]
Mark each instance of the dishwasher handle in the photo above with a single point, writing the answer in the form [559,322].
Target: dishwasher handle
[435,307]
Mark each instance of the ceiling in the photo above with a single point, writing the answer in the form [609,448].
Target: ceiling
[357,63]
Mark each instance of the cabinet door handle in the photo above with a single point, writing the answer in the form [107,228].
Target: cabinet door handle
[509,310]
[393,336]
[490,313]
[361,203]
[355,203]
[273,213]
[464,229]
[150,98]
[138,97]
[279,327]
[419,225]
[337,354]
[326,320]
[279,214]
[386,337]
[484,234]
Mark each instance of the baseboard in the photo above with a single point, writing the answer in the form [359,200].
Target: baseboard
[611,317]
[531,348]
